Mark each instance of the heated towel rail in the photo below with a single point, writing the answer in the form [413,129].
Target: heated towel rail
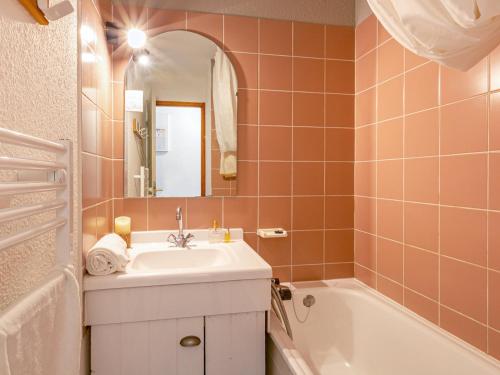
[59,179]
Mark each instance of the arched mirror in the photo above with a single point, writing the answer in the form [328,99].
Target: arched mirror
[180,113]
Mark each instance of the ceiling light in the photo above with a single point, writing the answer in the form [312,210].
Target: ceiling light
[136,38]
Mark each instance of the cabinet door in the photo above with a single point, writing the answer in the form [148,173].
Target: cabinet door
[235,344]
[148,348]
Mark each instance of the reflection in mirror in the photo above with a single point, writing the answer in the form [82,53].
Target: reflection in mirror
[180,119]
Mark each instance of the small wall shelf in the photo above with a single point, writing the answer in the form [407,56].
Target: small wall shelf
[32,7]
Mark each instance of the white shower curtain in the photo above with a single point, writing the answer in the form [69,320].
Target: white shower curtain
[456,33]
[225,87]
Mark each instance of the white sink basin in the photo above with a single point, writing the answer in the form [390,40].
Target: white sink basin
[154,262]
[179,259]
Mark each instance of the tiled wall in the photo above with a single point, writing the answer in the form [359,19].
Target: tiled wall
[427,185]
[97,128]
[296,131]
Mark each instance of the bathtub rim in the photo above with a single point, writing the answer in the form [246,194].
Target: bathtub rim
[358,287]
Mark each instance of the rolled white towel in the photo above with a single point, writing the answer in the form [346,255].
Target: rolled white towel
[107,256]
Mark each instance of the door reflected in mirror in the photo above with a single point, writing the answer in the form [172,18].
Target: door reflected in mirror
[180,119]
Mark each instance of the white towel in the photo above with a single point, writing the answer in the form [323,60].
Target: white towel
[108,255]
[41,334]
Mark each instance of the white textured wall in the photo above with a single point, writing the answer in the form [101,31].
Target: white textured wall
[38,96]
[332,12]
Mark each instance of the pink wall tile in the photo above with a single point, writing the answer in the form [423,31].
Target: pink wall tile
[339,271]
[136,209]
[162,20]
[390,139]
[494,299]
[390,99]
[275,108]
[494,121]
[422,180]
[365,275]
[382,34]
[313,149]
[365,217]
[241,33]
[246,66]
[339,42]
[390,259]
[391,289]
[275,178]
[422,134]
[308,109]
[339,144]
[339,178]
[309,74]
[275,143]
[421,88]
[463,180]
[339,76]
[463,288]
[339,212]
[495,69]
[456,85]
[366,71]
[464,126]
[209,25]
[412,60]
[308,39]
[365,252]
[421,225]
[275,72]
[366,36]
[365,143]
[390,179]
[339,245]
[339,110]
[276,251]
[247,107]
[463,327]
[307,247]
[494,343]
[308,213]
[241,212]
[248,142]
[421,305]
[494,240]
[421,271]
[248,178]
[365,107]
[390,60]
[494,182]
[276,37]
[365,179]
[308,178]
[307,273]
[201,212]
[275,212]
[390,219]
[463,234]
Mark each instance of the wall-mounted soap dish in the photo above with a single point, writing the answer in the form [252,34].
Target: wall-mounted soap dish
[272,233]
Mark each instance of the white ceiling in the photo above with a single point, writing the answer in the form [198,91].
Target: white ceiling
[333,12]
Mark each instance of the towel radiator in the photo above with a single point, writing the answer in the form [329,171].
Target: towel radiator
[59,179]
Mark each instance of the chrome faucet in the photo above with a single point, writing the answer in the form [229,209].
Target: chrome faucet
[180,240]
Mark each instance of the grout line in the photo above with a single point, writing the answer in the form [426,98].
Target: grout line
[488,205]
[404,172]
[292,153]
[376,154]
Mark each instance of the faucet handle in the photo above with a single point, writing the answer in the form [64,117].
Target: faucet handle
[172,239]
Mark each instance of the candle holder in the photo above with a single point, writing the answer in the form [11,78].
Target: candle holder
[126,237]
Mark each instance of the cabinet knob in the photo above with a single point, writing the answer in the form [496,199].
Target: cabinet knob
[189,341]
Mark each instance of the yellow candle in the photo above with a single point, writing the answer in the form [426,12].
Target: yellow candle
[122,225]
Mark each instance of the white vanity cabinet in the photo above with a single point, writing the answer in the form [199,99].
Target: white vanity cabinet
[189,329]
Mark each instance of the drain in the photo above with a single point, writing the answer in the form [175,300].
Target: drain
[309,300]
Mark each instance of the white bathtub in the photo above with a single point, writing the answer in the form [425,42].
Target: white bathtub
[352,329]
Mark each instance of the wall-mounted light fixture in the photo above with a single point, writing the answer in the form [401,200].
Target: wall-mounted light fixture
[142,57]
[136,38]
